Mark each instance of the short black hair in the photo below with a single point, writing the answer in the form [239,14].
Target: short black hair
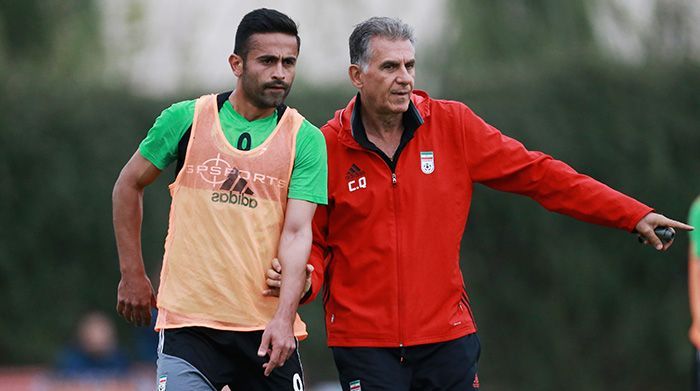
[263,20]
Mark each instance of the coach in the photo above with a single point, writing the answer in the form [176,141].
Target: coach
[401,170]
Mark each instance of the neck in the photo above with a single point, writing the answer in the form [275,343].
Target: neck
[381,125]
[243,106]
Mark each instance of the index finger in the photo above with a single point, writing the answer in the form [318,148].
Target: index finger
[679,225]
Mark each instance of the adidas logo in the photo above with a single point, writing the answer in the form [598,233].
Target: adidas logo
[354,172]
[238,191]
[240,185]
[356,178]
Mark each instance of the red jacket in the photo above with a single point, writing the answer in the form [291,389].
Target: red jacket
[387,245]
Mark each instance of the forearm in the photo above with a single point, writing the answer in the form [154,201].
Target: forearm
[293,253]
[566,191]
[127,215]
[559,188]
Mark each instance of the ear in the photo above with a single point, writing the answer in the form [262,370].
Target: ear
[356,75]
[236,63]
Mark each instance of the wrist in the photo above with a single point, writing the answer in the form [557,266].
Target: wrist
[132,272]
[284,316]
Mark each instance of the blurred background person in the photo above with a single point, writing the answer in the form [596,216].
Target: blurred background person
[95,352]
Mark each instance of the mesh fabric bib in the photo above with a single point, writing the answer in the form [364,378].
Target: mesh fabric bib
[226,217]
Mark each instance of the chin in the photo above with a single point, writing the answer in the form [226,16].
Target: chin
[268,101]
[399,108]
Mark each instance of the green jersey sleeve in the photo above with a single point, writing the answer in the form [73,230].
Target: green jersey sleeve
[694,220]
[160,145]
[309,180]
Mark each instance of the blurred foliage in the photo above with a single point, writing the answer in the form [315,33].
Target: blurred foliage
[63,145]
[560,304]
[508,32]
[50,37]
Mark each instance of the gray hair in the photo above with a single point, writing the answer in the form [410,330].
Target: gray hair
[389,28]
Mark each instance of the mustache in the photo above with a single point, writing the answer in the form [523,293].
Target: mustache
[276,84]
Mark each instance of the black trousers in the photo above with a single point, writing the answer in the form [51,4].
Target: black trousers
[450,365]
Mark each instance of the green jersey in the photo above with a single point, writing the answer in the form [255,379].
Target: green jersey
[694,220]
[309,174]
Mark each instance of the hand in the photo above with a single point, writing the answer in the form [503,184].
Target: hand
[274,279]
[277,341]
[645,228]
[694,335]
[135,297]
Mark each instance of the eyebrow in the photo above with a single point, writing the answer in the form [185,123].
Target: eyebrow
[389,62]
[275,57]
[396,63]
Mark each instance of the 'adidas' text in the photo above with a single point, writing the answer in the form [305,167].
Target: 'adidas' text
[234,198]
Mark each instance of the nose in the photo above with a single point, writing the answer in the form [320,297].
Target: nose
[404,76]
[278,71]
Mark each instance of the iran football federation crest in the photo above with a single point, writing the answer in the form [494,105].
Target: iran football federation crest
[427,162]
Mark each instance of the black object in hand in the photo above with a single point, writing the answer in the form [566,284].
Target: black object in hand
[665,234]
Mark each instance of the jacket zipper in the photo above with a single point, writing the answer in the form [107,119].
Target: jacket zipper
[399,302]
[391,164]
[394,185]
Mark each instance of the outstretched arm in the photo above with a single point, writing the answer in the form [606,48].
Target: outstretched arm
[505,164]
[135,295]
[295,245]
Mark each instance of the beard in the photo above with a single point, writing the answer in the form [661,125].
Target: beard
[265,95]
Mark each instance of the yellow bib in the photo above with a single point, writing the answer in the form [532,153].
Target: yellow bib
[226,218]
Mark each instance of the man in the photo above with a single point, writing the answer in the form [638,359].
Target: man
[694,289]
[96,353]
[252,174]
[400,185]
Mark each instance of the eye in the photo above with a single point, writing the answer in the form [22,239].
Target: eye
[290,61]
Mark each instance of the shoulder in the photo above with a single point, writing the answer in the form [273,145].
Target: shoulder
[176,116]
[309,138]
[183,109]
[427,104]
[446,106]
[307,129]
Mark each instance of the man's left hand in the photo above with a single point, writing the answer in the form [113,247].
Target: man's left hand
[277,341]
[645,228]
